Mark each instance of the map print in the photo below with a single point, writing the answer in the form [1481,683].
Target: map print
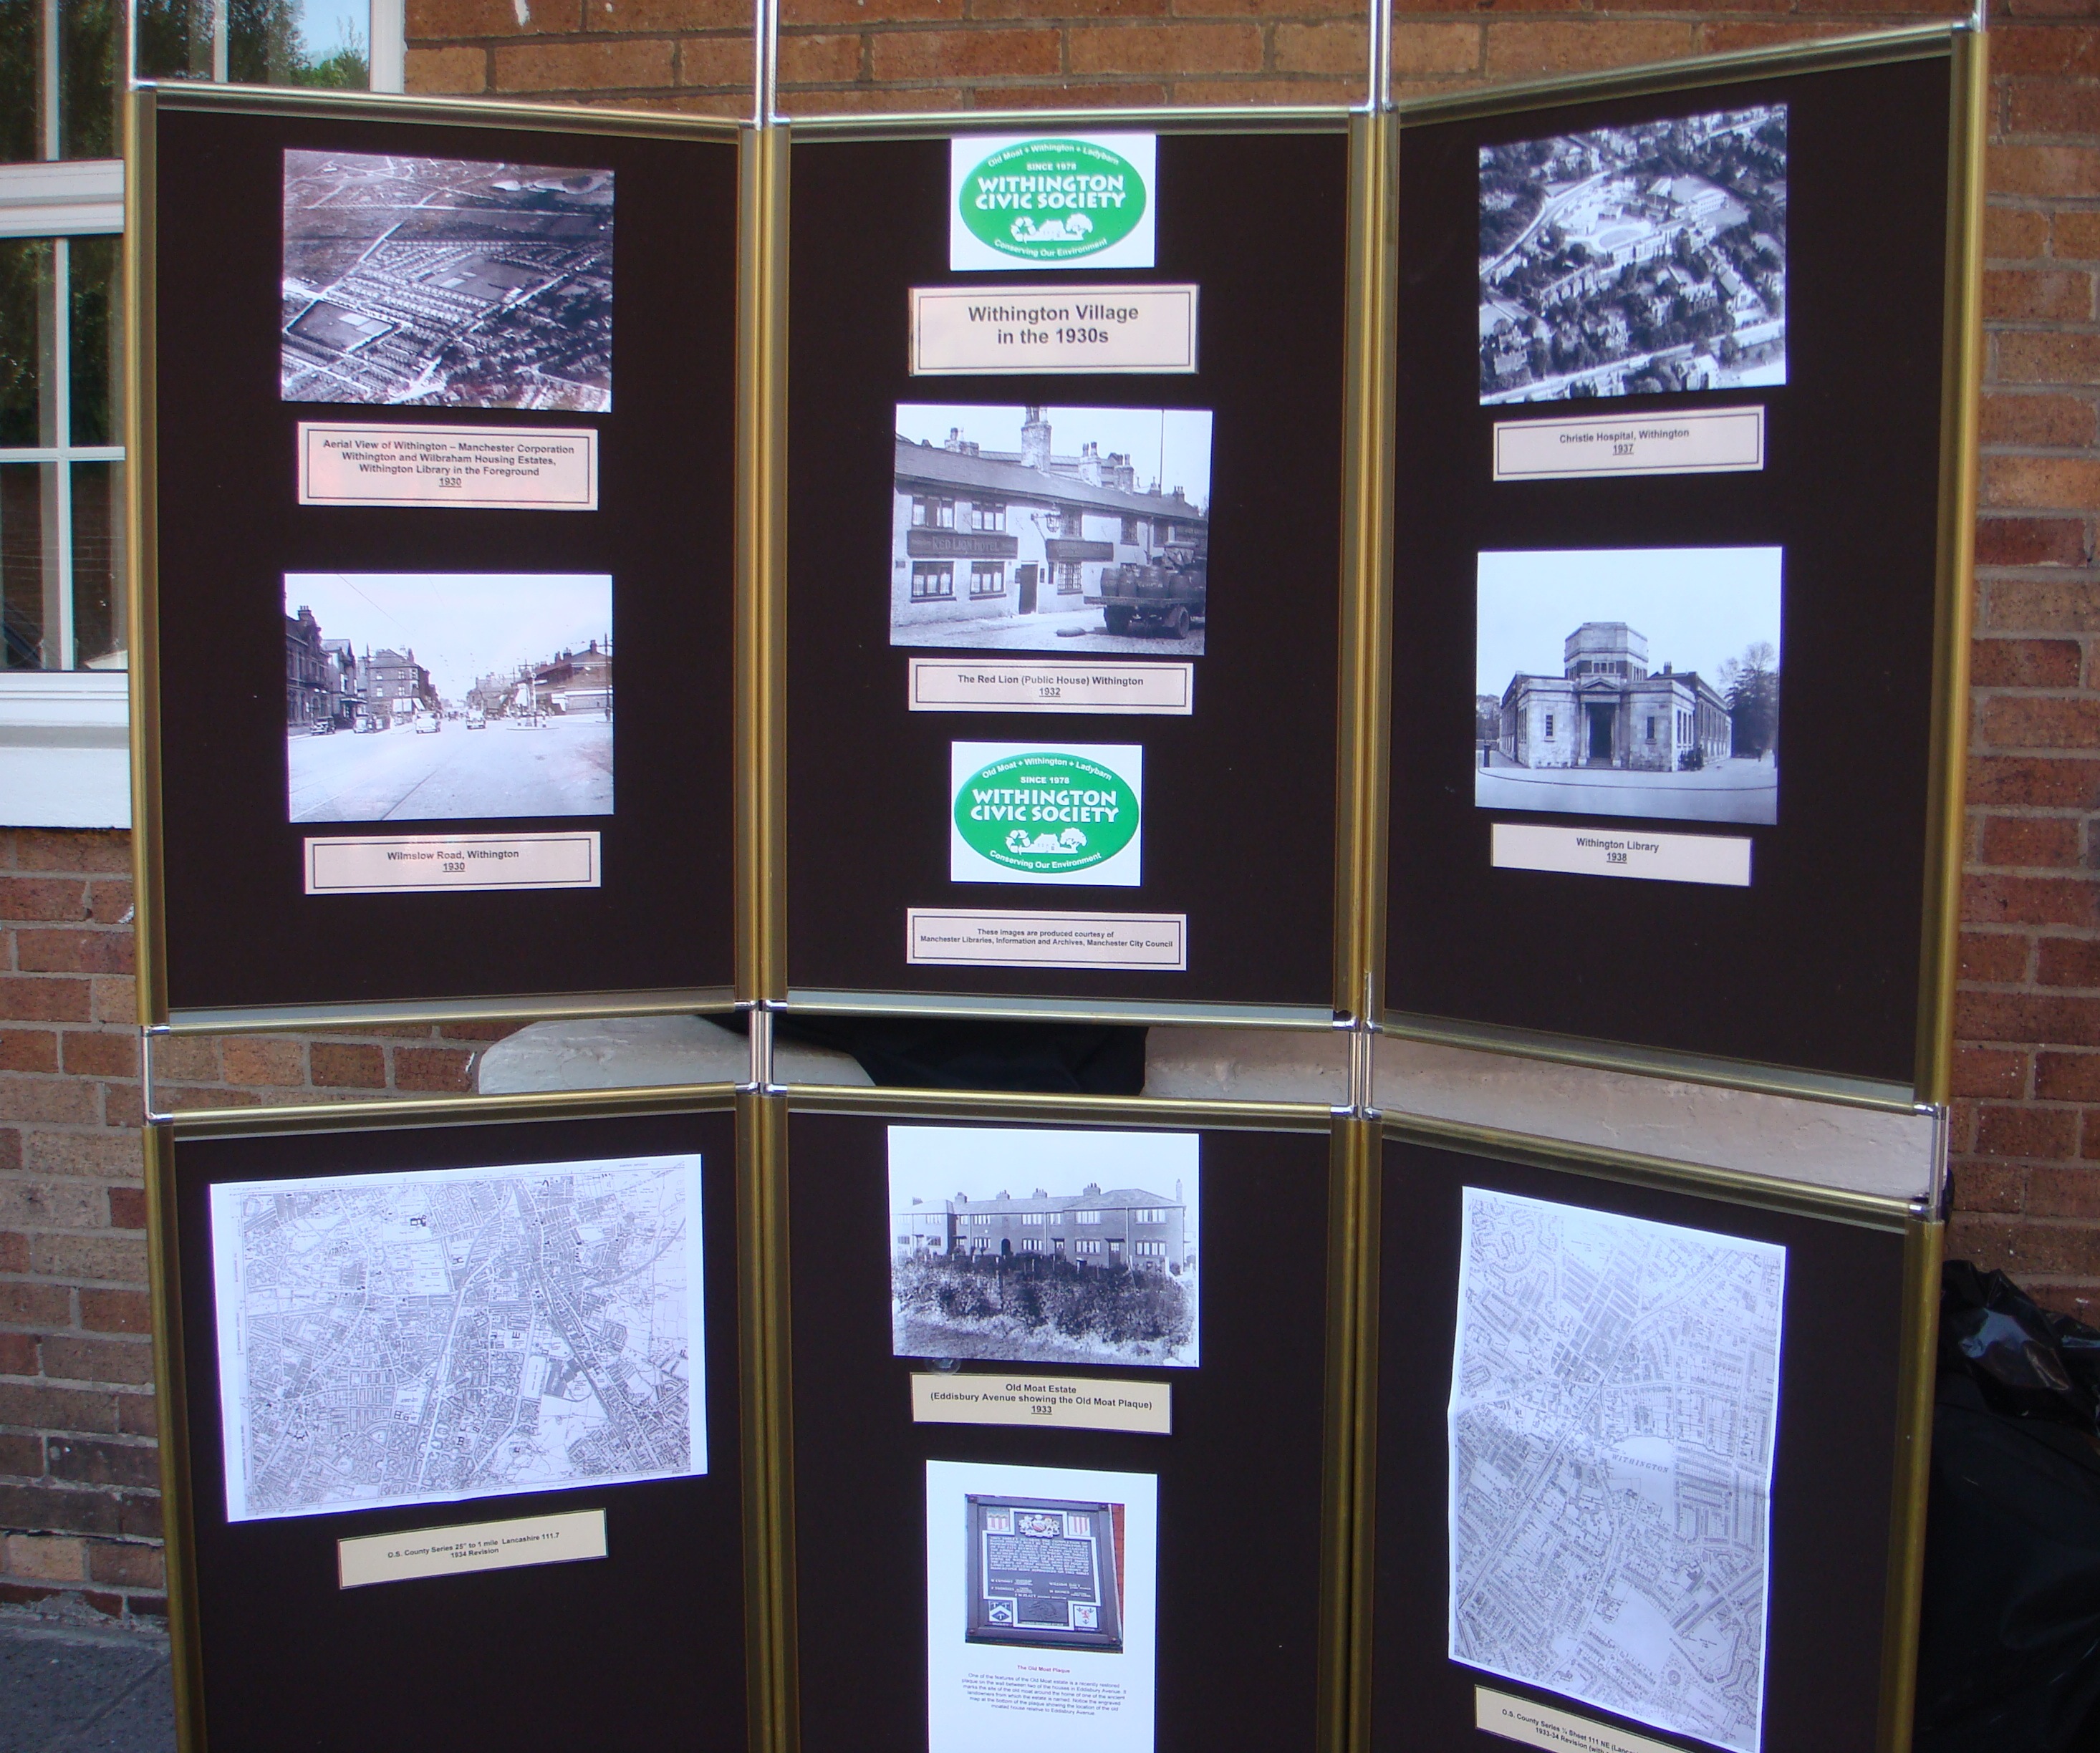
[1614,1395]
[439,1334]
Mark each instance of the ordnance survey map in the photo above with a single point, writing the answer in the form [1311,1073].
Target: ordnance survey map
[443,1334]
[1614,1399]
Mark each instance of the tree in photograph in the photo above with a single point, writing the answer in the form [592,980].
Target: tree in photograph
[1487,719]
[1750,686]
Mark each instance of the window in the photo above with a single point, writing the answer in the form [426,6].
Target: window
[932,581]
[987,578]
[1651,729]
[1549,724]
[1034,1217]
[987,517]
[934,513]
[1149,1250]
[340,45]
[1086,1217]
[1148,1214]
[1064,575]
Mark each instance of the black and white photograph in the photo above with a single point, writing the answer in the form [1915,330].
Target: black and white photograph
[1635,260]
[448,696]
[1051,528]
[446,282]
[1043,1247]
[1637,682]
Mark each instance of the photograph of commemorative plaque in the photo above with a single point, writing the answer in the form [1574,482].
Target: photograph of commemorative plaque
[441,668]
[1665,588]
[461,1404]
[1030,752]
[1685,1543]
[1003,1324]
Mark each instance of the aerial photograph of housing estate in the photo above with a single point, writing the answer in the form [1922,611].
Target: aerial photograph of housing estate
[1051,528]
[1638,681]
[1043,1247]
[448,696]
[1635,260]
[445,283]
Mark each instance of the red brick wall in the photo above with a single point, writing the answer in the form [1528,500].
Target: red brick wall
[79,1502]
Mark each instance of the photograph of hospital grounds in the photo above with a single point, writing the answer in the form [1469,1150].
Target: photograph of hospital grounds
[1640,682]
[446,283]
[1635,260]
[1051,528]
[447,697]
[1048,1269]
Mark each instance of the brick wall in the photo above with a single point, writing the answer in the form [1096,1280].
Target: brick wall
[79,1503]
[77,1509]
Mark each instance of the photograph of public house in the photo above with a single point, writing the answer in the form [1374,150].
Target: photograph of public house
[446,282]
[1051,528]
[447,697]
[1043,1247]
[1635,260]
[1663,701]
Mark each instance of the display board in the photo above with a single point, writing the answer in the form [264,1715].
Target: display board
[1635,1451]
[1119,1465]
[1023,758]
[423,448]
[1668,575]
[461,1417]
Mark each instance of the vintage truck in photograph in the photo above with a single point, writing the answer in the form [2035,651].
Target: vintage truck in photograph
[1170,595]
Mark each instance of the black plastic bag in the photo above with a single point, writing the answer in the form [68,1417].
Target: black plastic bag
[2009,1657]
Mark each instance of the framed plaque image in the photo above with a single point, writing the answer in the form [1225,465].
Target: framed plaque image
[1697,1539]
[1030,755]
[453,1403]
[1677,615]
[1000,1320]
[434,670]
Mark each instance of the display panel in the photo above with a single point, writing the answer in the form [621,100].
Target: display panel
[1111,1609]
[481,1422]
[1625,1473]
[1020,453]
[409,468]
[1686,805]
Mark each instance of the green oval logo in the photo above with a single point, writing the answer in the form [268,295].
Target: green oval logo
[1053,201]
[1046,813]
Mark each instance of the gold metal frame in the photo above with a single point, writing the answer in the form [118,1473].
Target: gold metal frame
[1363,758]
[143,555]
[1960,403]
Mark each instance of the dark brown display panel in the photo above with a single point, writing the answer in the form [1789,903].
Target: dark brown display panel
[238,929]
[1239,1479]
[1815,963]
[1239,797]
[1841,1355]
[642,1648]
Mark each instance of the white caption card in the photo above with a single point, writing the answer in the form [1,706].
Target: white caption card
[376,864]
[470,468]
[994,685]
[1706,441]
[1624,852]
[982,937]
[1007,330]
[1062,1402]
[477,1546]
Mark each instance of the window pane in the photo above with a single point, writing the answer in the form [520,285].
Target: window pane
[301,42]
[97,566]
[28,410]
[97,336]
[28,562]
[22,52]
[174,39]
[89,32]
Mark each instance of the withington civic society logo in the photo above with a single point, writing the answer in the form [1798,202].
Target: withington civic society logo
[1034,814]
[1067,200]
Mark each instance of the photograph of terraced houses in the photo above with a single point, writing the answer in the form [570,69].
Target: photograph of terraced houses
[446,282]
[1635,260]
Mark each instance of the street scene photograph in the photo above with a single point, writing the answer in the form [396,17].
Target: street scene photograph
[448,696]
[1051,528]
[1635,260]
[1042,1247]
[1634,681]
[446,283]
